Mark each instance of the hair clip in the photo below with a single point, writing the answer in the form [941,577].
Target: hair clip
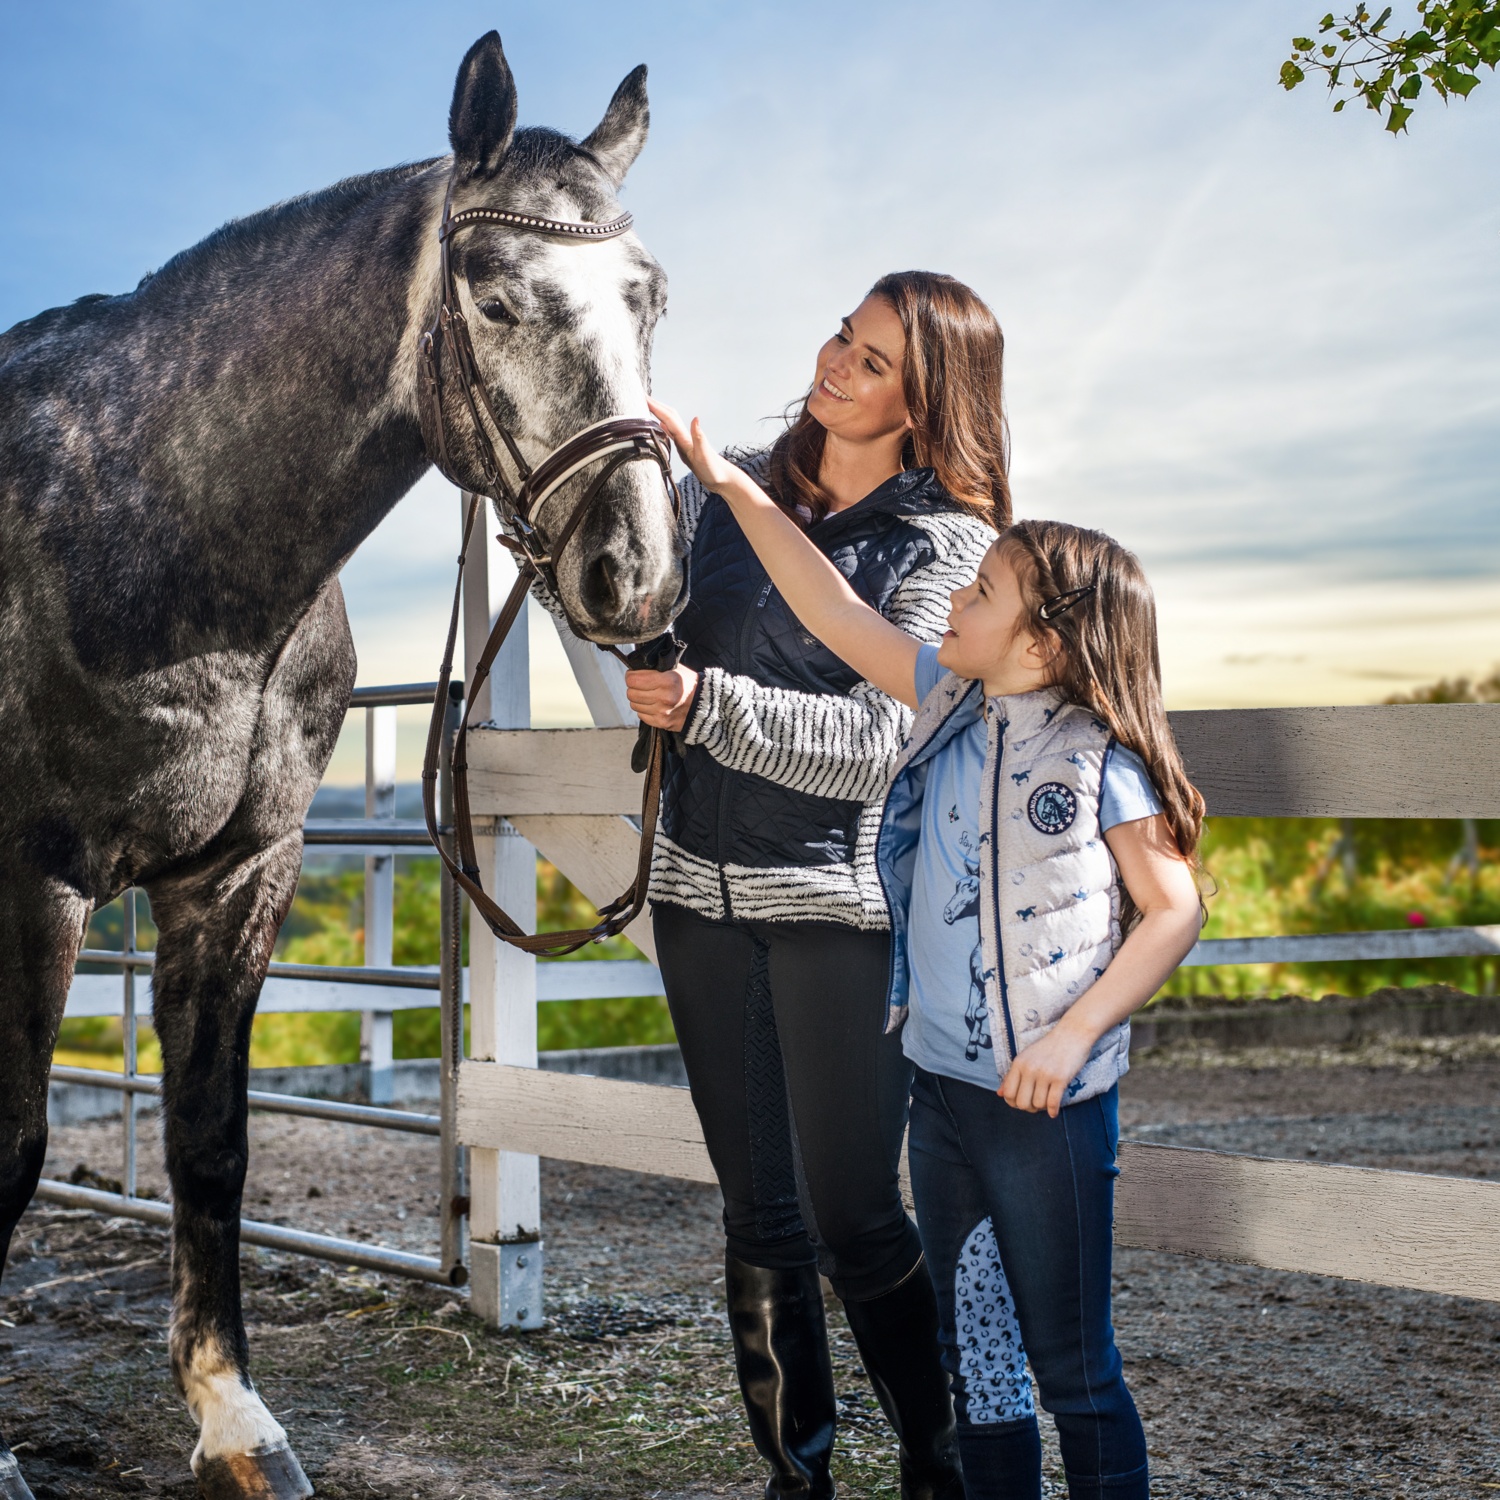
[1060,604]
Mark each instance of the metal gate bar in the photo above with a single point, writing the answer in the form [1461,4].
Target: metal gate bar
[407,977]
[254,1232]
[276,1104]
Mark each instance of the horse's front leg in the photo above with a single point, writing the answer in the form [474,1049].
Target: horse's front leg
[217,924]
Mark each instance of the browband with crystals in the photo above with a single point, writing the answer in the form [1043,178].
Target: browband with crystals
[573,228]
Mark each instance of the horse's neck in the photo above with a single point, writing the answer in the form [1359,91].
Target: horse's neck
[293,420]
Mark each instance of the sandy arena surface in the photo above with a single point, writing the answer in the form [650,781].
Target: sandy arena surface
[1251,1382]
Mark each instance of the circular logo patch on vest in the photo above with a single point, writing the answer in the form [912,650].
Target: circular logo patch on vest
[1052,808]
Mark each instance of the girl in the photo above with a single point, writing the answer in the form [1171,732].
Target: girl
[1037,849]
[771,930]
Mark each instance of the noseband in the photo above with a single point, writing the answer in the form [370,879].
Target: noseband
[612,443]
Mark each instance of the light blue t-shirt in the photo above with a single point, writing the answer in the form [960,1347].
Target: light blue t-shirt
[947,1030]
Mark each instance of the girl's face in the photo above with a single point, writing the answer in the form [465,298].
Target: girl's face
[989,636]
[857,392]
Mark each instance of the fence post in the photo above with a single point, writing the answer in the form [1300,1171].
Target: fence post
[377,1028]
[505,1241]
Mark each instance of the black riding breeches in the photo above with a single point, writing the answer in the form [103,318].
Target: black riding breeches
[802,1096]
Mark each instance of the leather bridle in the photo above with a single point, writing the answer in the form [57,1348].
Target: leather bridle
[446,350]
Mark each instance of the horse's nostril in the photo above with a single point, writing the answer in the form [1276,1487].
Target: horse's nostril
[601,588]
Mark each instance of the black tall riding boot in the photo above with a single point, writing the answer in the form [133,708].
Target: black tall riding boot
[786,1376]
[897,1336]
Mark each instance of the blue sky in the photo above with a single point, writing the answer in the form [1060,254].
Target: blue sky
[1257,342]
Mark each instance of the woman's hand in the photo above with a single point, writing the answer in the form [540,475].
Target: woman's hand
[710,466]
[662,699]
[1039,1077]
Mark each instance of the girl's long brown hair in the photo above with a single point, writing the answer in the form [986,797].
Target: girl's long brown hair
[951,376]
[1107,658]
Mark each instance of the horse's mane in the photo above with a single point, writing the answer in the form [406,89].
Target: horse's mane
[240,239]
[536,149]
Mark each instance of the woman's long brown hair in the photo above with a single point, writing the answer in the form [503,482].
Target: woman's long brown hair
[1107,658]
[952,378]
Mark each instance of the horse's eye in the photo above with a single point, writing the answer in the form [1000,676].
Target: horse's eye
[497,312]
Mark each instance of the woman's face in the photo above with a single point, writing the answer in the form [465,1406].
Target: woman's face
[857,392]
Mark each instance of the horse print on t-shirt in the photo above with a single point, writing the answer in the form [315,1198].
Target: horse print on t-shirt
[965,903]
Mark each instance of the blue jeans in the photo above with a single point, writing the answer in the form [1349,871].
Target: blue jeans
[1016,1213]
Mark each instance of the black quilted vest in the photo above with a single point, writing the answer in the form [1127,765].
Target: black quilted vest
[737,621]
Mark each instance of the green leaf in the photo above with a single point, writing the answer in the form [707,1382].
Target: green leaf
[1302,43]
[1329,50]
[1379,26]
[1337,107]
[1464,84]
[1291,75]
[1411,88]
[1400,114]
[1327,23]
[1418,43]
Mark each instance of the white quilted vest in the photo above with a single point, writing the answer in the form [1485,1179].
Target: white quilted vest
[1049,914]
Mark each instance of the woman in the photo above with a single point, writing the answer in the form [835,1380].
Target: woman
[771,926]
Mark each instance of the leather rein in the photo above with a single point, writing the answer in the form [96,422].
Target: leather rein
[614,442]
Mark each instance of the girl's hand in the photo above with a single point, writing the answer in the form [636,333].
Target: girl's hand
[662,699]
[1039,1077]
[697,452]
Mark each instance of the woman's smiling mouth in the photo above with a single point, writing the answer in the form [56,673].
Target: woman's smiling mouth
[830,389]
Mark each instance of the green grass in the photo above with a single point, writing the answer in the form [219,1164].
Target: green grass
[1284,875]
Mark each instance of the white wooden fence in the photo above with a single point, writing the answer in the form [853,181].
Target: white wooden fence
[569,794]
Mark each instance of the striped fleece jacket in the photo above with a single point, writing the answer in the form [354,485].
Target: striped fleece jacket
[771,811]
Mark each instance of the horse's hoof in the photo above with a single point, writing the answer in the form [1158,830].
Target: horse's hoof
[266,1474]
[12,1486]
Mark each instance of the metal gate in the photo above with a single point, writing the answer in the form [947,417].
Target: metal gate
[378,835]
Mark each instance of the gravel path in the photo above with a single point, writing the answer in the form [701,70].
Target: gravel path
[1251,1382]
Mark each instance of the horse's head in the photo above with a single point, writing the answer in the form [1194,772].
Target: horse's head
[561,331]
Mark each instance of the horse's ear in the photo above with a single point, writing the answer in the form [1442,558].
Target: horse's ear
[617,139]
[482,120]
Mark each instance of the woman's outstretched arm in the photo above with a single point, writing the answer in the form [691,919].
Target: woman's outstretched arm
[816,591]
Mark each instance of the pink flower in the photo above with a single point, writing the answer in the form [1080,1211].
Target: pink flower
[1415,919]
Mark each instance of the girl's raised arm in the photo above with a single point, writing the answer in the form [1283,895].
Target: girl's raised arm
[816,591]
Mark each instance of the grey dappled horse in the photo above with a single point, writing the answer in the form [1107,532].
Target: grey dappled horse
[183,472]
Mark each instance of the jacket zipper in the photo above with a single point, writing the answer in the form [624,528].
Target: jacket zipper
[724,809]
[885,890]
[1010,1031]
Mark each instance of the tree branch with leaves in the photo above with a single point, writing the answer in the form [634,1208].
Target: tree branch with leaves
[1364,60]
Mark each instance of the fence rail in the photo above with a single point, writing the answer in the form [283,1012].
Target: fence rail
[1436,1234]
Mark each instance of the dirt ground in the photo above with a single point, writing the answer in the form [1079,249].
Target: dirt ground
[1251,1382]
